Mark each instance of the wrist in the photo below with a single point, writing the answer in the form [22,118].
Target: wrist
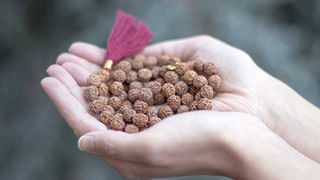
[293,118]
[264,155]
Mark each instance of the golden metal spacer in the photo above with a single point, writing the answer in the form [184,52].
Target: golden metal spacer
[108,64]
[171,67]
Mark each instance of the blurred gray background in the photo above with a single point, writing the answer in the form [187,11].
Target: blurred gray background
[281,36]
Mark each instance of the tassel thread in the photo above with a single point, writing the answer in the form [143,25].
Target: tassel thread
[127,38]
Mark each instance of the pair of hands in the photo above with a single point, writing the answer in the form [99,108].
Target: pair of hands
[254,118]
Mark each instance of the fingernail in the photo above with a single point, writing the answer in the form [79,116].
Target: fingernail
[85,143]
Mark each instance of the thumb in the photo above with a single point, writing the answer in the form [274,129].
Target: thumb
[113,144]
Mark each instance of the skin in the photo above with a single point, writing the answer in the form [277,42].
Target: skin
[258,133]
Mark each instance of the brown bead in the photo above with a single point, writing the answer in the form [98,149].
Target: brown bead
[210,69]
[206,92]
[140,107]
[131,128]
[103,89]
[128,114]
[137,62]
[197,97]
[163,60]
[109,108]
[204,104]
[189,76]
[98,105]
[174,102]
[150,62]
[153,120]
[136,85]
[155,86]
[94,80]
[115,102]
[198,65]
[200,81]
[124,65]
[116,88]
[91,93]
[164,112]
[174,61]
[163,70]
[168,89]
[171,77]
[152,111]
[105,117]
[140,120]
[109,83]
[161,81]
[158,98]
[187,99]
[117,123]
[193,90]
[131,77]
[193,106]
[181,88]
[145,75]
[182,109]
[182,68]
[133,95]
[118,75]
[215,82]
[104,75]
[121,109]
[155,72]
[123,96]
[146,95]
[127,103]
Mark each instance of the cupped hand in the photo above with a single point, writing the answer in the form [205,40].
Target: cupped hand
[245,88]
[193,143]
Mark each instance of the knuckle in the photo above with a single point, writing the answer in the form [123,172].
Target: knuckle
[109,148]
[242,54]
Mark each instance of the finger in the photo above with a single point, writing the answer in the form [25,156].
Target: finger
[67,80]
[78,73]
[70,108]
[88,51]
[117,145]
[88,65]
[182,48]
[188,48]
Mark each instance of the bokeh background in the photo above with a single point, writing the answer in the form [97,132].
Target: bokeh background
[282,37]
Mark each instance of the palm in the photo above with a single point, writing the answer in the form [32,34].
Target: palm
[68,78]
[242,78]
[241,81]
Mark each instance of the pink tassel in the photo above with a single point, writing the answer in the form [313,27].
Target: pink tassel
[127,38]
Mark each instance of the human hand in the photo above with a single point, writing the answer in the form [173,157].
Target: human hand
[65,86]
[247,88]
[231,144]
